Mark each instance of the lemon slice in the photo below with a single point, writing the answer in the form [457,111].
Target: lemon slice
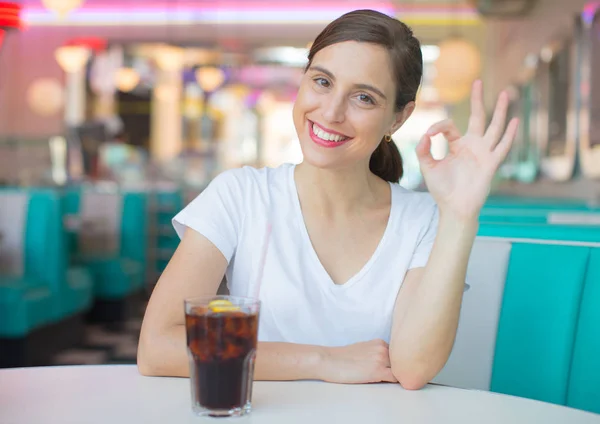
[222,305]
[219,302]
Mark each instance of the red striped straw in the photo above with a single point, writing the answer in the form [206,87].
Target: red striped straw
[263,259]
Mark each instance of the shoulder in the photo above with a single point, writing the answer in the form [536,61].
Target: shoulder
[413,205]
[247,177]
[241,187]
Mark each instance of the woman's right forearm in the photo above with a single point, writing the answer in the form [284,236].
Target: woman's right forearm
[289,361]
[166,356]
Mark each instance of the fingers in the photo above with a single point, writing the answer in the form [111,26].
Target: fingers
[381,342]
[445,127]
[382,352]
[385,359]
[503,147]
[496,127]
[423,151]
[387,375]
[477,118]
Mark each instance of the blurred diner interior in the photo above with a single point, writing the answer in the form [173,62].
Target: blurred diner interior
[116,114]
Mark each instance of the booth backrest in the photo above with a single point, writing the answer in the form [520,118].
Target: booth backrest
[530,318]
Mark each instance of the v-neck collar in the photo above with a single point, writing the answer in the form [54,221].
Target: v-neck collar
[325,277]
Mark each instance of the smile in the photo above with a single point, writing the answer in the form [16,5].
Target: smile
[326,138]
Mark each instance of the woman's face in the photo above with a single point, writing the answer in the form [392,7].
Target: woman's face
[345,105]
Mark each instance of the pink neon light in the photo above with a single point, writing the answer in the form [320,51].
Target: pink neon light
[228,5]
[265,5]
[589,11]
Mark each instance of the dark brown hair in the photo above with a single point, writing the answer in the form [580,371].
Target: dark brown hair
[368,26]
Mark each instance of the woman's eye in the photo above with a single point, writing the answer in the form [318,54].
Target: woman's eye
[366,99]
[322,82]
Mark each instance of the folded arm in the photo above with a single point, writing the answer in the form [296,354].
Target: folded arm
[196,269]
[428,306]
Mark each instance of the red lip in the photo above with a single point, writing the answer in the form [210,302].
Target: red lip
[325,143]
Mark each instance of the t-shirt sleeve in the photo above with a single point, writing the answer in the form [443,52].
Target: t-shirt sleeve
[216,212]
[426,239]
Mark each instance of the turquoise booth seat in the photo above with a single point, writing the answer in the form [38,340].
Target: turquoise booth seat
[27,300]
[163,238]
[544,211]
[40,295]
[572,234]
[584,381]
[530,318]
[540,216]
[548,336]
[118,267]
[520,202]
[538,321]
[47,290]
[73,282]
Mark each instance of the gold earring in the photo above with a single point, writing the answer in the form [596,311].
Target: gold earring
[387,138]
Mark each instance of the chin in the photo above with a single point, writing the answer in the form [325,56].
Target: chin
[320,162]
[321,158]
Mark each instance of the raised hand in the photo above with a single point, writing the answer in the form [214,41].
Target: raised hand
[460,182]
[365,362]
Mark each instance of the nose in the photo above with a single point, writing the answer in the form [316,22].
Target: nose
[334,108]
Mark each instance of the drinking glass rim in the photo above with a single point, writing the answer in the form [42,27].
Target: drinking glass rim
[236,300]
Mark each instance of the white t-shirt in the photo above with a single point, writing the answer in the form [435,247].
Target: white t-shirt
[299,301]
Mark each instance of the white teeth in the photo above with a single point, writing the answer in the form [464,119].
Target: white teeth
[327,136]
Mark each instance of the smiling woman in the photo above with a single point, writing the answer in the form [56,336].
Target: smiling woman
[363,280]
[369,102]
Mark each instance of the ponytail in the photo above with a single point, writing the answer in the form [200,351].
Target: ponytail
[386,162]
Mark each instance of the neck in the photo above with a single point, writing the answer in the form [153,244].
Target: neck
[340,191]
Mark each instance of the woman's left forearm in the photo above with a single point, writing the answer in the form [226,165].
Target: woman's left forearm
[427,310]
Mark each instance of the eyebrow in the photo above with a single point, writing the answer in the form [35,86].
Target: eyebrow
[361,86]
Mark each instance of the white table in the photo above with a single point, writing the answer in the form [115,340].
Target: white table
[118,394]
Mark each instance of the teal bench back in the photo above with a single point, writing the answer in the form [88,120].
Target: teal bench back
[545,211]
[47,257]
[29,298]
[529,231]
[584,382]
[167,203]
[538,321]
[38,234]
[548,341]
[133,223]
[536,202]
[134,227]
[48,239]
[71,285]
[539,286]
[70,197]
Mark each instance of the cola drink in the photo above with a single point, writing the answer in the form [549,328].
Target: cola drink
[222,349]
